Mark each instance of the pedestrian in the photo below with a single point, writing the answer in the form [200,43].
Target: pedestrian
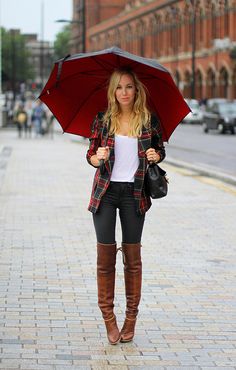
[20,119]
[50,123]
[38,116]
[29,111]
[126,137]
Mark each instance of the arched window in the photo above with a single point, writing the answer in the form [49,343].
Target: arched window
[234,83]
[167,32]
[127,36]
[187,28]
[187,85]
[198,85]
[108,40]
[175,30]
[141,32]
[198,25]
[201,25]
[223,83]
[211,84]
[153,33]
[226,18]
[177,78]
[117,38]
[208,11]
[159,36]
[213,22]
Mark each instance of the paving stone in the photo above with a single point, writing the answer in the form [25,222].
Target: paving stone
[49,319]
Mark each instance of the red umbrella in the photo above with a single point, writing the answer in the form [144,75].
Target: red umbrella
[77,89]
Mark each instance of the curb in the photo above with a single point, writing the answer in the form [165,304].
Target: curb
[200,170]
[209,172]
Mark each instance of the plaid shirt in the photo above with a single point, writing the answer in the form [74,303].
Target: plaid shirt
[150,138]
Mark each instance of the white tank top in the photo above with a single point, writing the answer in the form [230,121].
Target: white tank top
[126,159]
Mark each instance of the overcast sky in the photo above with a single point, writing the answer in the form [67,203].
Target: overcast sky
[26,15]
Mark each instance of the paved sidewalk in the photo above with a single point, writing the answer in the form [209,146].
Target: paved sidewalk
[49,319]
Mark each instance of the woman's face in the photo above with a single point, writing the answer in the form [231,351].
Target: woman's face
[125,91]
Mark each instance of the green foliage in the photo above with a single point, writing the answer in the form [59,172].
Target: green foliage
[62,43]
[15,63]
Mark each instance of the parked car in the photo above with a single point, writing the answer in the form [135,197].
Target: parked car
[212,101]
[221,116]
[195,116]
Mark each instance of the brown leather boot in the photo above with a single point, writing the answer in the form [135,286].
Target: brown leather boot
[106,261]
[133,282]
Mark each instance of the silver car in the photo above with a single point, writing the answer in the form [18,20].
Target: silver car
[195,116]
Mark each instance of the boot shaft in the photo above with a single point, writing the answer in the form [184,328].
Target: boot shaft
[106,261]
[133,277]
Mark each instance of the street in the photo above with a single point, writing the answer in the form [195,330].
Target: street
[49,319]
[211,151]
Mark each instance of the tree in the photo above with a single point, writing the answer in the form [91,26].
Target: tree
[15,64]
[62,43]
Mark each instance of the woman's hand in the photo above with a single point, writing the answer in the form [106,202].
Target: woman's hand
[152,155]
[103,153]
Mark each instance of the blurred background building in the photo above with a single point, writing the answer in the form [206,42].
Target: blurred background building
[194,39]
[41,56]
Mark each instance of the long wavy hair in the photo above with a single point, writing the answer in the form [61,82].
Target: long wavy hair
[140,114]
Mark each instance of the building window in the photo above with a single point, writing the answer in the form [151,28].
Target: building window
[159,36]
[187,84]
[140,37]
[211,84]
[199,85]
[213,22]
[234,83]
[226,18]
[223,83]
[177,78]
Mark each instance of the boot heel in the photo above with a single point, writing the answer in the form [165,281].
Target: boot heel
[127,332]
[113,333]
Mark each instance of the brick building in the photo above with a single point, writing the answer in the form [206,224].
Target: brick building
[189,37]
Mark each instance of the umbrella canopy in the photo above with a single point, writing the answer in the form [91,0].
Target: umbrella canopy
[77,89]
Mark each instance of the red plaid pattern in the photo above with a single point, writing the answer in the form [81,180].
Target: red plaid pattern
[150,138]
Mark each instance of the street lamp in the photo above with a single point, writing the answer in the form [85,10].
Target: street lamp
[79,22]
[42,46]
[193,2]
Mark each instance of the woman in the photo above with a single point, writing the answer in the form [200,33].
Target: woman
[126,137]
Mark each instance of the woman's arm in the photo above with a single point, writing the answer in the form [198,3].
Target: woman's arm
[95,142]
[95,152]
[157,151]
[157,142]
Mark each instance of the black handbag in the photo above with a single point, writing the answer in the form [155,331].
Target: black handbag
[156,182]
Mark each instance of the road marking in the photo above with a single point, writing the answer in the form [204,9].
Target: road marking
[218,184]
[204,179]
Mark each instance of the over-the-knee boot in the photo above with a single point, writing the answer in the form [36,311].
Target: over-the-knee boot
[106,261]
[133,282]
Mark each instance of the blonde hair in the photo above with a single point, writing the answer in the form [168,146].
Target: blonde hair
[140,114]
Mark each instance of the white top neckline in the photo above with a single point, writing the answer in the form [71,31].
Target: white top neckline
[130,137]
